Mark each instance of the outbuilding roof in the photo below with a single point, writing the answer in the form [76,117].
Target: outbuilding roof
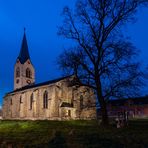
[132,101]
[66,104]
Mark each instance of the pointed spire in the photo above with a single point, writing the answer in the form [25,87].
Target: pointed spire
[24,53]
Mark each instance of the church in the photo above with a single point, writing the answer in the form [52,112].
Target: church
[58,99]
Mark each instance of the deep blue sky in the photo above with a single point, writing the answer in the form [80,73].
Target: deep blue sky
[41,18]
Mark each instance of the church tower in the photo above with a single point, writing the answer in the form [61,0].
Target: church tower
[24,73]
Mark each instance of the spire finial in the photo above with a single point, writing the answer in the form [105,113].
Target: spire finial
[24,29]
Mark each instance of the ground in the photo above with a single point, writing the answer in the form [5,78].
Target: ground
[72,134]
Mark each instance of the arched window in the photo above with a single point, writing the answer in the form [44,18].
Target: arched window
[21,100]
[45,99]
[28,73]
[11,101]
[17,72]
[31,101]
[81,102]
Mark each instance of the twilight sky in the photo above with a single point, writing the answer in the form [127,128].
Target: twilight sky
[41,18]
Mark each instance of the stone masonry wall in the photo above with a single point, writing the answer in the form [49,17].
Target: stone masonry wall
[17,105]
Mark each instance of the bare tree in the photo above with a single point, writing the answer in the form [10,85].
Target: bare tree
[101,57]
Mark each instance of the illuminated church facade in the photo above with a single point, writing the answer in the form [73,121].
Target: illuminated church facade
[58,99]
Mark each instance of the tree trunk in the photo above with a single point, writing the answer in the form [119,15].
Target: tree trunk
[104,114]
[103,106]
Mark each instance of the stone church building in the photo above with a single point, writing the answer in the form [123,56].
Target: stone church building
[59,99]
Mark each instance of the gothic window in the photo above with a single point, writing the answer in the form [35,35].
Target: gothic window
[72,101]
[45,99]
[89,103]
[21,100]
[11,101]
[28,73]
[31,101]
[18,72]
[81,102]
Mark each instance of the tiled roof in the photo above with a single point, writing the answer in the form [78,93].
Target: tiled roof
[39,84]
[134,101]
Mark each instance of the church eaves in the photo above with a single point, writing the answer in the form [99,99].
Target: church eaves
[24,53]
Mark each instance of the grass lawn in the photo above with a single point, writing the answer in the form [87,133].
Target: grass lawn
[72,134]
